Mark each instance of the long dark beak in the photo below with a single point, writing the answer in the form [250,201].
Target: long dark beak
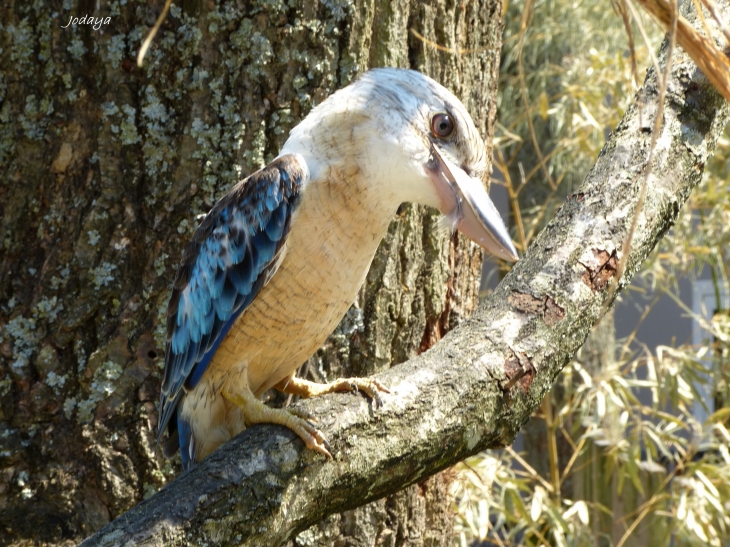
[465,200]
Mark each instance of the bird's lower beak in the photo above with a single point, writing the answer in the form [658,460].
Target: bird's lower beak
[465,200]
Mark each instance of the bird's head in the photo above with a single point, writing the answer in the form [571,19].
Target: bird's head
[414,141]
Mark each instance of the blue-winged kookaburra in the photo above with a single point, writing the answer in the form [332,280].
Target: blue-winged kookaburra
[278,261]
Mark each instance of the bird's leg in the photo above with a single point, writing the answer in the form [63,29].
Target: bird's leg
[304,388]
[256,412]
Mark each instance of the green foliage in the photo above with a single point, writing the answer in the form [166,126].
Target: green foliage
[635,473]
[564,83]
[679,469]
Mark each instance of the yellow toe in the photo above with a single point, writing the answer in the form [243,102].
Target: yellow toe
[256,412]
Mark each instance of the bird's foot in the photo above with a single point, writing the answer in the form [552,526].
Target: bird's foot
[299,421]
[304,388]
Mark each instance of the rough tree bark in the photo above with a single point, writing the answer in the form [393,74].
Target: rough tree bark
[474,389]
[104,169]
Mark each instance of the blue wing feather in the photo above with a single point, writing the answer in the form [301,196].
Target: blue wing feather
[225,265]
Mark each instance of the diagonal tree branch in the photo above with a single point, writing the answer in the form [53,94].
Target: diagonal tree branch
[480,384]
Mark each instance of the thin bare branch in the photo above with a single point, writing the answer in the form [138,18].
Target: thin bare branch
[526,16]
[152,33]
[711,60]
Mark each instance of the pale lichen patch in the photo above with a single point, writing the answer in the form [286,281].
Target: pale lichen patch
[77,49]
[22,332]
[102,386]
[255,464]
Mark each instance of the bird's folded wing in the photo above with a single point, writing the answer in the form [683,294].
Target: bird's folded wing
[231,256]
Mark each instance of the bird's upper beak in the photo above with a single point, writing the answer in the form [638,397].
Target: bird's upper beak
[466,199]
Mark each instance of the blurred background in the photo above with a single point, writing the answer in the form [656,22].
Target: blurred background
[631,447]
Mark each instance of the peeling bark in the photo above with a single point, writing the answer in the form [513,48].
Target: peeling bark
[461,396]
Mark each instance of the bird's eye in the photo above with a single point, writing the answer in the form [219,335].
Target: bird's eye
[442,126]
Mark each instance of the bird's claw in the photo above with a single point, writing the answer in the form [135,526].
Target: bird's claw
[370,386]
[301,413]
[296,419]
[312,437]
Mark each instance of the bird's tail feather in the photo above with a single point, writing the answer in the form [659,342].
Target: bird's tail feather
[186,442]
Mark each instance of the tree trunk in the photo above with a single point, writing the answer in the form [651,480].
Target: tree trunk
[106,167]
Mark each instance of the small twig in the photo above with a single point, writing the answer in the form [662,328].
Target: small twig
[553,460]
[705,26]
[532,473]
[514,204]
[620,7]
[626,346]
[153,32]
[575,455]
[710,59]
[549,156]
[443,48]
[536,221]
[526,16]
